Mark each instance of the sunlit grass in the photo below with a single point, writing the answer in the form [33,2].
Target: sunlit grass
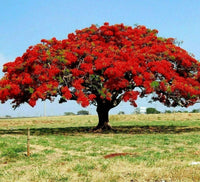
[177,119]
[79,156]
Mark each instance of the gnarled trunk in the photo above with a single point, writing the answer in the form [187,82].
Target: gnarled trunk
[103,116]
[103,108]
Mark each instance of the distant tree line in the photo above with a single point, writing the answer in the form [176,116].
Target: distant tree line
[149,110]
[155,111]
[179,111]
[81,112]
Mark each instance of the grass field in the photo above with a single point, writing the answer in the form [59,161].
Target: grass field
[159,148]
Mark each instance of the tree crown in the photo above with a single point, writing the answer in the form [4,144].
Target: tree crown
[107,64]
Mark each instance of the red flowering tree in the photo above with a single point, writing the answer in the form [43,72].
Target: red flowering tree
[103,66]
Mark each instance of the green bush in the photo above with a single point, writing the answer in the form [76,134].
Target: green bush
[68,113]
[152,110]
[83,112]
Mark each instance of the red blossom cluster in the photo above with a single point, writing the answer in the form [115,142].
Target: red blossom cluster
[107,63]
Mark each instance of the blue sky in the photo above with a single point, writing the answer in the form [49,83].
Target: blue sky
[24,23]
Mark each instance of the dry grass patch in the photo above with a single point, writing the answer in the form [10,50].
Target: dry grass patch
[79,156]
[91,120]
[63,121]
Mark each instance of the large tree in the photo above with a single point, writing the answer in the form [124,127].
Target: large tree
[103,66]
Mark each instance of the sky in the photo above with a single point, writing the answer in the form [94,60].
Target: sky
[24,23]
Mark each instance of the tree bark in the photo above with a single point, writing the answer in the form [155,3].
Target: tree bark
[103,116]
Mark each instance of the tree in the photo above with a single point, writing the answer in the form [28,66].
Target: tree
[168,111]
[83,112]
[103,66]
[151,110]
[195,111]
[68,113]
[7,116]
[121,112]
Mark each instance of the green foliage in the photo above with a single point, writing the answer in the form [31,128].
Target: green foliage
[195,111]
[121,112]
[83,112]
[31,90]
[152,110]
[154,84]
[7,116]
[68,113]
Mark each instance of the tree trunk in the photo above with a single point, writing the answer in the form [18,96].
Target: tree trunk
[103,115]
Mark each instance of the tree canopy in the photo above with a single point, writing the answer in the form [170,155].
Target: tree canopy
[103,66]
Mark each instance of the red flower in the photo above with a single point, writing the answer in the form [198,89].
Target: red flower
[130,96]
[15,89]
[4,95]
[38,69]
[66,93]
[88,59]
[77,84]
[27,79]
[103,63]
[70,57]
[32,102]
[138,80]
[53,71]
[91,97]
[83,101]
[94,37]
[108,33]
[76,72]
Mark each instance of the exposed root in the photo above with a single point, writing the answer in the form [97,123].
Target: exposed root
[100,128]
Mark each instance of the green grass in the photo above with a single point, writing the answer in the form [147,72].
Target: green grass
[159,149]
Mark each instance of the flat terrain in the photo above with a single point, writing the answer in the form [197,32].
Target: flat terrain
[161,147]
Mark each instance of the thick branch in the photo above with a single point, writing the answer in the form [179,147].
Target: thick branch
[115,102]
